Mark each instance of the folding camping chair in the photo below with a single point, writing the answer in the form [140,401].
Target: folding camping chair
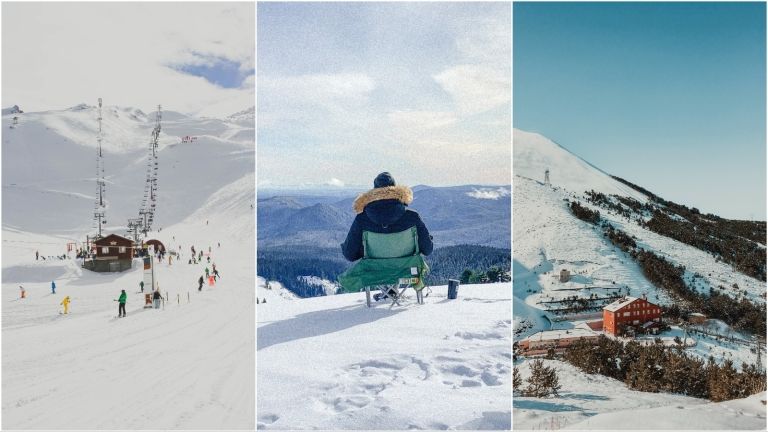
[392,262]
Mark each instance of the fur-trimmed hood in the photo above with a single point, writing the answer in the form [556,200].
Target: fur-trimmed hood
[404,194]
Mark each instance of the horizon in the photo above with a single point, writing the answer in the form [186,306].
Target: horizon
[149,110]
[650,93]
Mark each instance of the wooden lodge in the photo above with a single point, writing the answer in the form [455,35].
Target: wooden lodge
[112,253]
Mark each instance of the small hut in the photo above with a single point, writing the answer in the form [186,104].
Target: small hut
[565,275]
[113,253]
[697,318]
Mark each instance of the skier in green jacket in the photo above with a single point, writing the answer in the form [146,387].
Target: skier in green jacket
[121,301]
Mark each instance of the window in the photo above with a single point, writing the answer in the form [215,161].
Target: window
[122,249]
[626,314]
[105,250]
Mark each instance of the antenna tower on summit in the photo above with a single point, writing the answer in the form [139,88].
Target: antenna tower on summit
[546,176]
[100,201]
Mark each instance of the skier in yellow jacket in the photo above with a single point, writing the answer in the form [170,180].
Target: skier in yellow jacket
[65,302]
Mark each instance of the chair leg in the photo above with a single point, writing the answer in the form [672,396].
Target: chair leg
[368,296]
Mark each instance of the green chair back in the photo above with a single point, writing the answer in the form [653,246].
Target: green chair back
[390,245]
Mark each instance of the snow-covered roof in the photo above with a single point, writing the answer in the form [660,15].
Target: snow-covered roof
[561,334]
[618,304]
[696,314]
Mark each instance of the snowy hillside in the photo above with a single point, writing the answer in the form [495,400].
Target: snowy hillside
[49,165]
[331,363]
[534,154]
[189,365]
[548,238]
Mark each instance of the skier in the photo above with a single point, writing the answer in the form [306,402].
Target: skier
[156,298]
[207,272]
[65,303]
[200,284]
[37,255]
[23,293]
[53,287]
[216,274]
[193,250]
[383,210]
[121,301]
[141,285]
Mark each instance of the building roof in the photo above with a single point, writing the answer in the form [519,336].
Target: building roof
[696,314]
[620,303]
[111,238]
[561,334]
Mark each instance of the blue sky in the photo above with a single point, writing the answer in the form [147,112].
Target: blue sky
[218,71]
[670,96]
[347,90]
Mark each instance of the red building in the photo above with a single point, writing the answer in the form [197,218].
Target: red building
[629,311]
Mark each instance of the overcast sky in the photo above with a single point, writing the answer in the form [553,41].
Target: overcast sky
[192,57]
[347,90]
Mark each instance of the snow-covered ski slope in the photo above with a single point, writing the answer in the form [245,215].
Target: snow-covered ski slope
[189,365]
[331,363]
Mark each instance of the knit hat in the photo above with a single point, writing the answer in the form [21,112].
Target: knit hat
[383,180]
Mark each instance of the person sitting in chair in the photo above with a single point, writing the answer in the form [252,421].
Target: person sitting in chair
[383,210]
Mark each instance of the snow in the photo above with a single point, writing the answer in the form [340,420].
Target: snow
[189,365]
[746,414]
[331,363]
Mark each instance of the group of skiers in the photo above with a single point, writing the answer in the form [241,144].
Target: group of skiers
[156,296]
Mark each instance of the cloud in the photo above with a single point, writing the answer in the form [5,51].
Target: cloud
[56,55]
[475,88]
[334,182]
[489,194]
[420,120]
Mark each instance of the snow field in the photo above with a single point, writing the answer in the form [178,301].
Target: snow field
[331,363]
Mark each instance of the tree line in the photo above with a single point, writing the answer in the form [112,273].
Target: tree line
[657,368]
[287,265]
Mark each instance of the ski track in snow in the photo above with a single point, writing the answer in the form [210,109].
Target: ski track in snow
[331,363]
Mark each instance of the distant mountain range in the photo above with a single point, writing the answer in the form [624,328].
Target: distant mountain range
[470,214]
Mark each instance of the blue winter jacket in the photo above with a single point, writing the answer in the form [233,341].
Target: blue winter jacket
[383,210]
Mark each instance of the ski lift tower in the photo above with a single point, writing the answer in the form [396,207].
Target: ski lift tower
[546,176]
[99,214]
